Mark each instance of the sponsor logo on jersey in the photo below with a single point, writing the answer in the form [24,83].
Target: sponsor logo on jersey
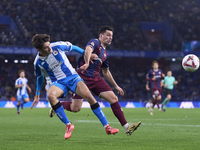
[53,66]
[92,43]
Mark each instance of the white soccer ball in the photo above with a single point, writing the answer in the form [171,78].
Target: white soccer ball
[190,62]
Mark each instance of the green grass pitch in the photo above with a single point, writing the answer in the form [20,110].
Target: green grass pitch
[175,129]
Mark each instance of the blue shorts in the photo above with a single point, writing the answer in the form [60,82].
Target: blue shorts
[68,84]
[22,97]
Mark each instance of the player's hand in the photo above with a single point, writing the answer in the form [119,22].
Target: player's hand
[165,85]
[120,91]
[163,75]
[83,68]
[175,82]
[36,100]
[147,88]
[29,90]
[93,57]
[154,78]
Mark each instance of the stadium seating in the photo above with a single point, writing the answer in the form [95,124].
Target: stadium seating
[78,21]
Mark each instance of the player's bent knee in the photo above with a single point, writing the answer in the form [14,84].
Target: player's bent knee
[90,98]
[114,99]
[51,96]
[87,95]
[159,98]
[169,97]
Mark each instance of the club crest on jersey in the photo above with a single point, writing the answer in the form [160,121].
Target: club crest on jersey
[92,43]
[55,52]
[104,55]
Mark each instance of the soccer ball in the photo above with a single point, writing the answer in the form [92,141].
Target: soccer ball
[190,62]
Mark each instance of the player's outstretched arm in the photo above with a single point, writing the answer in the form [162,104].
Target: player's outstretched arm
[147,87]
[18,86]
[38,89]
[87,56]
[36,100]
[77,49]
[107,74]
[176,82]
[29,89]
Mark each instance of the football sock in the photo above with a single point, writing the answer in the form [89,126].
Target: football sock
[17,108]
[99,113]
[66,105]
[58,108]
[154,102]
[158,104]
[165,102]
[125,126]
[22,102]
[118,112]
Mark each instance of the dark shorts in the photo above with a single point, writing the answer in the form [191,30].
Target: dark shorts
[167,91]
[155,93]
[97,86]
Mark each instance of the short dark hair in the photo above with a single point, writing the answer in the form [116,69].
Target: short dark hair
[21,70]
[103,29]
[38,40]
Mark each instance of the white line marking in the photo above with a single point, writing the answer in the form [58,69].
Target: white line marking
[151,124]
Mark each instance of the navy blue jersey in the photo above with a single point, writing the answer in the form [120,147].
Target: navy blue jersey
[94,68]
[154,74]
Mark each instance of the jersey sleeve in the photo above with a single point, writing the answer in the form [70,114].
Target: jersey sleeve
[17,82]
[61,45]
[161,74]
[37,71]
[148,76]
[93,43]
[174,79]
[39,84]
[66,46]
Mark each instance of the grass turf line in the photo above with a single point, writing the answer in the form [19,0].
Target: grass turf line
[176,129]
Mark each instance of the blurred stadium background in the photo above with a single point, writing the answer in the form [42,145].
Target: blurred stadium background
[145,30]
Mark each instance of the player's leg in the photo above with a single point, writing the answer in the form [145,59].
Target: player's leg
[158,101]
[83,91]
[115,106]
[156,97]
[19,98]
[153,102]
[53,93]
[25,99]
[118,112]
[74,105]
[165,102]
[18,104]
[103,90]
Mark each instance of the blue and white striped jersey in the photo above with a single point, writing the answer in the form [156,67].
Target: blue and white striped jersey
[22,90]
[56,65]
